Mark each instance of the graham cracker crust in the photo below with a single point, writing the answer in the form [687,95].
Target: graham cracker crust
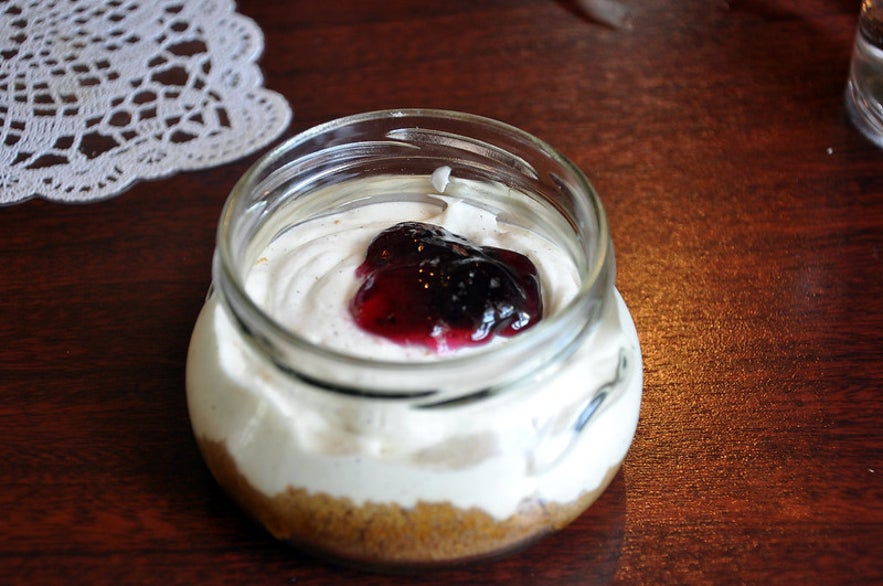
[387,534]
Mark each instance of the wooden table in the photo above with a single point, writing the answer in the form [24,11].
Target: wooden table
[747,216]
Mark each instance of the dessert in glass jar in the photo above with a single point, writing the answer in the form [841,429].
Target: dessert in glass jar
[413,352]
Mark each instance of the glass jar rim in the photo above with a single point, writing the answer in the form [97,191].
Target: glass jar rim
[597,267]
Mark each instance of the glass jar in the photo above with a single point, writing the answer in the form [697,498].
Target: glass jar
[427,460]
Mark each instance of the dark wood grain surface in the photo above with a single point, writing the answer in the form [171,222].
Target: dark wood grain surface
[747,216]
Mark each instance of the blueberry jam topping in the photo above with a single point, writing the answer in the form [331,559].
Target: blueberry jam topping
[423,285]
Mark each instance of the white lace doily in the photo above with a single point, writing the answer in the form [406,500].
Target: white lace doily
[97,94]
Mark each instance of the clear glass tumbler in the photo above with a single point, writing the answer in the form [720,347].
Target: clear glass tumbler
[864,92]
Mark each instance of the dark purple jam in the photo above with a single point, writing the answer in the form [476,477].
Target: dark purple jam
[422,285]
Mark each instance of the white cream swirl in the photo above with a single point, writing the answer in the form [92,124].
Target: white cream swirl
[305,277]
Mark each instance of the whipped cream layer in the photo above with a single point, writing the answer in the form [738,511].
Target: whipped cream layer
[304,278]
[491,454]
